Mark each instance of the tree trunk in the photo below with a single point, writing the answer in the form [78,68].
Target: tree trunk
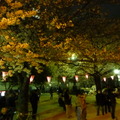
[97,80]
[23,96]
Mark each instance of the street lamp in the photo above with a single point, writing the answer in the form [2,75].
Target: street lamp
[116,71]
[73,56]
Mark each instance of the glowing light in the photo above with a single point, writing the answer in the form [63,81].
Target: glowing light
[64,78]
[32,78]
[87,76]
[104,79]
[3,93]
[73,57]
[76,78]
[119,76]
[116,71]
[49,79]
[112,77]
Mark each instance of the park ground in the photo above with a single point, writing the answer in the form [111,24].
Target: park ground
[49,109]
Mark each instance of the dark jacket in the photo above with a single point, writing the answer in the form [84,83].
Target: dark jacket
[112,98]
[67,99]
[34,98]
[100,99]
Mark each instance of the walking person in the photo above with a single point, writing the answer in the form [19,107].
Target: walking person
[100,101]
[61,101]
[68,105]
[112,99]
[81,107]
[34,98]
[107,102]
[78,107]
[51,93]
[84,106]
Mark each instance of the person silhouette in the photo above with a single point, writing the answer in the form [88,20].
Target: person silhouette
[34,98]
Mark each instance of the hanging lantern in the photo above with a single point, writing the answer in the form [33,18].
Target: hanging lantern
[64,78]
[3,93]
[4,74]
[76,78]
[118,77]
[86,76]
[48,79]
[112,77]
[32,78]
[104,79]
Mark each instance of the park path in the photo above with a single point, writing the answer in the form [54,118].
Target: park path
[50,110]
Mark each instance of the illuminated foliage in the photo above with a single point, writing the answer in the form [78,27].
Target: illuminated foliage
[14,52]
[83,28]
[40,31]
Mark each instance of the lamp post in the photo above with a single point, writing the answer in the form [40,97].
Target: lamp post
[75,86]
[104,82]
[64,82]
[76,80]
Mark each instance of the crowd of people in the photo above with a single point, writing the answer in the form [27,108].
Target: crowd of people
[106,102]
[8,104]
[65,101]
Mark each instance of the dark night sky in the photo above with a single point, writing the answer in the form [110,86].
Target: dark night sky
[114,10]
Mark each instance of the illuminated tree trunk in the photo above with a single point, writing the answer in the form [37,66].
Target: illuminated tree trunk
[22,106]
